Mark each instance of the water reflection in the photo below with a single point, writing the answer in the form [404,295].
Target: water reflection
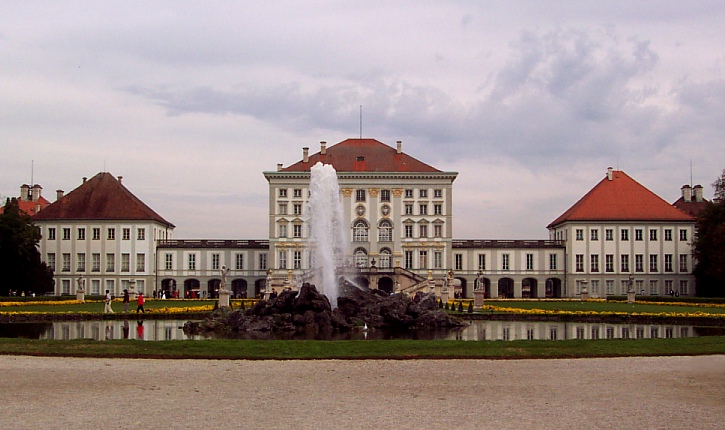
[157,330]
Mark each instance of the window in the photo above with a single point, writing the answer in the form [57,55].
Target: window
[668,286]
[297,260]
[639,263]
[408,259]
[609,263]
[125,262]
[283,192]
[110,262]
[81,257]
[684,287]
[282,259]
[297,193]
[141,234]
[458,262]
[96,233]
[437,209]
[552,262]
[683,235]
[297,208]
[653,234]
[423,194]
[623,286]
[609,234]
[385,231]
[624,234]
[111,234]
[283,208]
[594,262]
[594,234]
[437,259]
[529,261]
[283,230]
[297,230]
[579,234]
[384,258]
[438,194]
[423,230]
[422,259]
[653,287]
[263,261]
[653,262]
[191,262]
[609,285]
[66,286]
[481,261]
[579,262]
[215,258]
[359,195]
[140,263]
[51,261]
[624,260]
[638,234]
[384,195]
[126,232]
[81,233]
[96,286]
[66,234]
[360,232]
[668,235]
[408,194]
[51,233]
[668,262]
[505,262]
[408,230]
[595,287]
[437,230]
[423,208]
[409,209]
[238,261]
[683,263]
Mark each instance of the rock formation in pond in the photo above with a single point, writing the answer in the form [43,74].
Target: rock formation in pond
[310,311]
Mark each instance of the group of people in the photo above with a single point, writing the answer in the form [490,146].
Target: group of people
[140,300]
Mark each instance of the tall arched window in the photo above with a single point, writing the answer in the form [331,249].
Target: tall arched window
[361,257]
[360,231]
[384,258]
[385,231]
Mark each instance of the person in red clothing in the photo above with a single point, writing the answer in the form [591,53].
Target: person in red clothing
[140,301]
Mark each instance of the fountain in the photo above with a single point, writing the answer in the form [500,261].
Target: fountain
[328,238]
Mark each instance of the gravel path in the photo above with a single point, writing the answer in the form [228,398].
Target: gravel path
[627,393]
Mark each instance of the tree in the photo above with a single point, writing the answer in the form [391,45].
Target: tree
[20,265]
[709,245]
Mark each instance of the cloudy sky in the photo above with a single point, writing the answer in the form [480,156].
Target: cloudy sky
[530,101]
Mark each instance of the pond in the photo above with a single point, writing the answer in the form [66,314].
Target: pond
[160,330]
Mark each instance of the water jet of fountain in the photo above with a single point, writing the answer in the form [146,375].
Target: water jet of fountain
[328,231]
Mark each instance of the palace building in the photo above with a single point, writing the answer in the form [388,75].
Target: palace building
[399,217]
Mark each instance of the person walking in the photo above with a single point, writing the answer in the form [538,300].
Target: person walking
[107,309]
[139,302]
[126,299]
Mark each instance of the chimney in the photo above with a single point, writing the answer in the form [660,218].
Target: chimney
[400,147]
[35,192]
[37,208]
[84,179]
[686,193]
[58,194]
[279,166]
[609,173]
[323,147]
[120,179]
[698,193]
[305,154]
[24,192]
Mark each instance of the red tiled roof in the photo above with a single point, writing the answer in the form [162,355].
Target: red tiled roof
[30,207]
[363,155]
[692,208]
[102,197]
[621,199]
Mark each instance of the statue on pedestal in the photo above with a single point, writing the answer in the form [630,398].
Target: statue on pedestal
[81,291]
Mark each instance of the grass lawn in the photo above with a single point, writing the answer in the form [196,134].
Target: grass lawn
[605,306]
[98,306]
[385,349]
